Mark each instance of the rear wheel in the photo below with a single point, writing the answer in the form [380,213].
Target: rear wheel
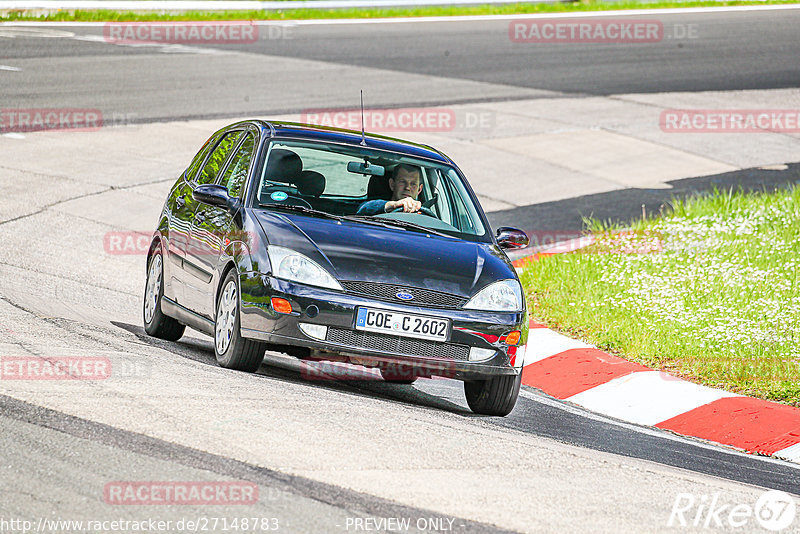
[155,322]
[231,349]
[495,396]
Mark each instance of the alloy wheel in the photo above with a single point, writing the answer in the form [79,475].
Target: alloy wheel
[153,289]
[226,317]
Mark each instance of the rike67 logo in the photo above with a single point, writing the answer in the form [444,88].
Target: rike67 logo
[774,510]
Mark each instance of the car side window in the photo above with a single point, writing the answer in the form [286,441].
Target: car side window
[236,173]
[216,160]
[468,220]
[200,158]
[442,205]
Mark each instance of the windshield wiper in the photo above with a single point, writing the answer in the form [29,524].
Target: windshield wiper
[368,219]
[302,209]
[398,223]
[365,219]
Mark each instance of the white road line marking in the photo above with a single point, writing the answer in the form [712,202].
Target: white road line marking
[575,410]
[14,135]
[647,397]
[11,33]
[790,453]
[543,343]
[9,68]
[164,48]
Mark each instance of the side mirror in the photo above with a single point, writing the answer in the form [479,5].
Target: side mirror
[511,238]
[215,195]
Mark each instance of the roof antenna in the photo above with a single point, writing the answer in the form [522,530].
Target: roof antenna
[363,138]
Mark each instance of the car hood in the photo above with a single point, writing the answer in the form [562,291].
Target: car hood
[356,251]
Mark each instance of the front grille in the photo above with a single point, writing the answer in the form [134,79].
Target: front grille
[422,297]
[397,344]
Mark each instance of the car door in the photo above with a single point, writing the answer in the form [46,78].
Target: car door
[214,226]
[204,243]
[179,225]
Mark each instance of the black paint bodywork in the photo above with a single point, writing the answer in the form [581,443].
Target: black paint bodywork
[202,241]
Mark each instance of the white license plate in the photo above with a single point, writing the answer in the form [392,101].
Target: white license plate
[402,324]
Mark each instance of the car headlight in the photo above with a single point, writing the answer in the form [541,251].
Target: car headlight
[505,295]
[291,265]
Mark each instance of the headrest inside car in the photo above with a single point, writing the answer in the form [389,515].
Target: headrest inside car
[283,166]
[378,187]
[311,183]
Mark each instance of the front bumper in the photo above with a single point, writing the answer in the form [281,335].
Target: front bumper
[336,310]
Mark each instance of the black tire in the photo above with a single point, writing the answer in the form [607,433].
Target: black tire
[495,396]
[236,352]
[160,325]
[398,374]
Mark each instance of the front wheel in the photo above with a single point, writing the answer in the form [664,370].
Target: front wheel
[156,323]
[495,396]
[231,349]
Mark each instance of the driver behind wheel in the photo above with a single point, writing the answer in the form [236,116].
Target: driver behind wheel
[406,186]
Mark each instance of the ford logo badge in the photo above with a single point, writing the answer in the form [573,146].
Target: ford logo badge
[404,295]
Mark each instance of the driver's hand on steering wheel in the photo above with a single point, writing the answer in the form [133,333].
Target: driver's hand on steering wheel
[408,204]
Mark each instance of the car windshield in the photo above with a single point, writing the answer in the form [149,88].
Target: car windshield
[354,182]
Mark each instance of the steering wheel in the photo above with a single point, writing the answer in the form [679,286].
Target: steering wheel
[430,202]
[425,209]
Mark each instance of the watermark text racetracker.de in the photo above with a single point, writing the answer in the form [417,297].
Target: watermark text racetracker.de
[127,242]
[68,368]
[180,493]
[401,119]
[730,120]
[55,368]
[601,31]
[200,243]
[22,120]
[610,242]
[337,370]
[25,120]
[773,510]
[191,33]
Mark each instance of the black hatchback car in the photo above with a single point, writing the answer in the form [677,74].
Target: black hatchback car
[262,245]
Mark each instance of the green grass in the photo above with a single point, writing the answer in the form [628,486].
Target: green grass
[708,292]
[428,11]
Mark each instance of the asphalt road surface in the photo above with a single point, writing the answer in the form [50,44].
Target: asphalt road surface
[326,455]
[477,60]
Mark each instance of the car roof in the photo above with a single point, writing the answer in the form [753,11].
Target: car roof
[351,137]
